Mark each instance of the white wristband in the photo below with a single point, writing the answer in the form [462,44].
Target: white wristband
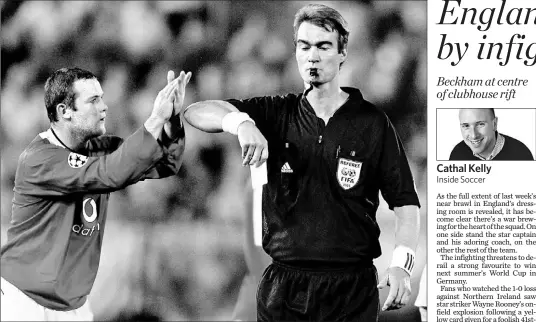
[232,120]
[403,257]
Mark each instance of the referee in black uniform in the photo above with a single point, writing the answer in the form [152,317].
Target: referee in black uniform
[330,154]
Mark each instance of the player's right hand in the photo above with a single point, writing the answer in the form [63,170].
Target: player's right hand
[254,145]
[164,102]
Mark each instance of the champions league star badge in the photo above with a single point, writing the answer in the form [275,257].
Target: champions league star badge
[348,173]
[76,160]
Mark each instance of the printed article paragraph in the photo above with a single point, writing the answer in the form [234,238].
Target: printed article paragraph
[482,238]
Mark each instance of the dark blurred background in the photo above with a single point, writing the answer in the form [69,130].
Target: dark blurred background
[173,248]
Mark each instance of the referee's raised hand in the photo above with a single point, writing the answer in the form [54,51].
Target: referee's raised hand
[254,145]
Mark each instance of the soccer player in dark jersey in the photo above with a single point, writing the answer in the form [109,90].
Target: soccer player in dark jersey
[482,141]
[62,185]
[330,155]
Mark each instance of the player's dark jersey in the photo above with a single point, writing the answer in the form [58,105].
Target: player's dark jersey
[320,202]
[60,206]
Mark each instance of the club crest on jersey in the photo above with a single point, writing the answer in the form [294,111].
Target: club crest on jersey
[348,173]
[76,160]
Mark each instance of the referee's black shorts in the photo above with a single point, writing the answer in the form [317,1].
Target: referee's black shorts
[288,293]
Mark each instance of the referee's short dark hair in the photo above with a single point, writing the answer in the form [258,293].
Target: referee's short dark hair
[59,89]
[324,17]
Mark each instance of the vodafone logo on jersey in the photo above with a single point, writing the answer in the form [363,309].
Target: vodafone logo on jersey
[85,225]
[89,210]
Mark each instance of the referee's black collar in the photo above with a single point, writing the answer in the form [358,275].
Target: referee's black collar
[355,99]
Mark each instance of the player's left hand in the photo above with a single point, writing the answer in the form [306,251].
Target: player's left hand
[400,288]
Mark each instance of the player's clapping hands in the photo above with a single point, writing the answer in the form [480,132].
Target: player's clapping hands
[169,100]
[180,91]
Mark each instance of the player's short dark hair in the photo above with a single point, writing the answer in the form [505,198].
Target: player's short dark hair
[59,89]
[492,110]
[324,17]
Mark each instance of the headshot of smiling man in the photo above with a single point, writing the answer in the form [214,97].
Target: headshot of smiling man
[482,141]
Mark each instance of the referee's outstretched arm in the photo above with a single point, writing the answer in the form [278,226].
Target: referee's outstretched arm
[215,116]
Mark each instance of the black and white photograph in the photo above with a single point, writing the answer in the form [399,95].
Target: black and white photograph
[215,160]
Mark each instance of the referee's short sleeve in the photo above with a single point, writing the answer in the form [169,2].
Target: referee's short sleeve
[261,109]
[396,181]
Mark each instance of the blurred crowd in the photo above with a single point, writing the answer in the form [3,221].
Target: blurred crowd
[174,247]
